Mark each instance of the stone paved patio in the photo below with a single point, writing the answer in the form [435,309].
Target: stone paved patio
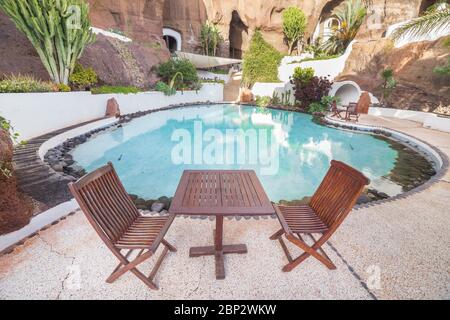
[407,241]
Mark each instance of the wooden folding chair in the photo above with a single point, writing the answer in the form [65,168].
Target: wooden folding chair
[119,224]
[336,111]
[329,206]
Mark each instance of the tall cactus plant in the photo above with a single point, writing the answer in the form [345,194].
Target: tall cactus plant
[58,29]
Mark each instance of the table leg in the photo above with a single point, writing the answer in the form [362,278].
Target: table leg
[219,249]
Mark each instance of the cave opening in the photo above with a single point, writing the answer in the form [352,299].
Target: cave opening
[171,43]
[326,21]
[425,5]
[237,30]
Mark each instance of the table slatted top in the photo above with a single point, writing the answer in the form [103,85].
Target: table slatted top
[220,192]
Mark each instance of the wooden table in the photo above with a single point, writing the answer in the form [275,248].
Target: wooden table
[220,193]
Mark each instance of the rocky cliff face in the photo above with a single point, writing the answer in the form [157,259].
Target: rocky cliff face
[419,88]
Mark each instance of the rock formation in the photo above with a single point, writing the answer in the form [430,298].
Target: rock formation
[419,88]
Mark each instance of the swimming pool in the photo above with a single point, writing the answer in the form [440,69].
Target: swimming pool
[289,152]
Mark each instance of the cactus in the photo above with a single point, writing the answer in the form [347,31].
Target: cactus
[59,30]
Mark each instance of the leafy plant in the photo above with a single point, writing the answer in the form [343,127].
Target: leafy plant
[294,26]
[59,30]
[115,89]
[8,128]
[261,62]
[210,38]
[263,101]
[303,74]
[311,91]
[389,83]
[82,77]
[165,88]
[323,105]
[25,84]
[437,17]
[444,70]
[351,17]
[64,88]
[169,69]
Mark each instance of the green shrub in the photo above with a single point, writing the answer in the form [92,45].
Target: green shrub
[261,62]
[25,84]
[263,102]
[165,88]
[63,88]
[444,70]
[115,89]
[210,38]
[303,75]
[83,77]
[322,106]
[294,26]
[169,69]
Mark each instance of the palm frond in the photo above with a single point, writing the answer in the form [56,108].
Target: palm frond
[421,26]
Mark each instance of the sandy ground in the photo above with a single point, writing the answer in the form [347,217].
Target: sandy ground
[395,250]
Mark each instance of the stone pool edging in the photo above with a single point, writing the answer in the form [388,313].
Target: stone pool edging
[391,133]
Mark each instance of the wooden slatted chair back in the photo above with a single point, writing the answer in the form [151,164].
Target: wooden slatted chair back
[337,194]
[105,202]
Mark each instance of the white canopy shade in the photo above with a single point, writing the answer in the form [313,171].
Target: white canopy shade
[204,62]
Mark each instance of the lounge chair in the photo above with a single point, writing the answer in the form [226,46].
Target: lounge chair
[329,206]
[119,224]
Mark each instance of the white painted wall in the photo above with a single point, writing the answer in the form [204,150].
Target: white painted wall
[349,91]
[266,88]
[111,34]
[35,114]
[428,120]
[323,68]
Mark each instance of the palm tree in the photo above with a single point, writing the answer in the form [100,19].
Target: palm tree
[437,17]
[351,17]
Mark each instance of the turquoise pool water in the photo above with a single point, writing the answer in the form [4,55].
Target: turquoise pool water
[288,151]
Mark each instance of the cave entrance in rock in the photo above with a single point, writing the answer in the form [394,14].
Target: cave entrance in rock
[326,21]
[172,39]
[237,30]
[425,5]
[171,43]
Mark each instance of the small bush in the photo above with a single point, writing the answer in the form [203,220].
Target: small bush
[322,106]
[63,88]
[307,93]
[303,74]
[169,69]
[25,84]
[263,102]
[261,62]
[115,89]
[82,77]
[165,88]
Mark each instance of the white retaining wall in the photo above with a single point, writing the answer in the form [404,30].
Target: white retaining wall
[35,114]
[323,68]
[428,120]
